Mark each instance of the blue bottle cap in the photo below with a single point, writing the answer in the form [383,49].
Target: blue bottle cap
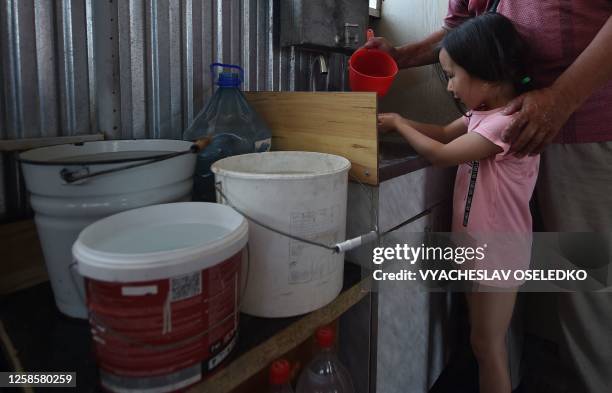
[228,79]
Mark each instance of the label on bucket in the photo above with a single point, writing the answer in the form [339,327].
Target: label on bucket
[139,291]
[306,262]
[158,339]
[186,286]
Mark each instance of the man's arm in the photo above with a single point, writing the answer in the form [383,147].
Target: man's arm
[542,113]
[423,52]
[590,70]
[419,53]
[413,54]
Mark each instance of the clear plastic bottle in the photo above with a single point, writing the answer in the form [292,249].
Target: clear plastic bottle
[232,126]
[280,371]
[325,373]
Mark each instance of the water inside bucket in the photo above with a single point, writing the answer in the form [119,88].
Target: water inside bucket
[113,156]
[162,238]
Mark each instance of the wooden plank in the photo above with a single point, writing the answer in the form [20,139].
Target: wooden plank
[31,143]
[251,363]
[23,263]
[341,123]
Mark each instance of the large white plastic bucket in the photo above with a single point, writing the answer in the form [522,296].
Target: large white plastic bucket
[62,210]
[300,193]
[162,291]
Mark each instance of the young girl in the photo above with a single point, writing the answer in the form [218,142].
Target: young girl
[482,60]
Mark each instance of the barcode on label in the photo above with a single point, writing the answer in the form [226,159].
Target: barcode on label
[186,286]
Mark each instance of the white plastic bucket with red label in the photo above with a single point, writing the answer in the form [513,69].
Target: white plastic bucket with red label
[162,288]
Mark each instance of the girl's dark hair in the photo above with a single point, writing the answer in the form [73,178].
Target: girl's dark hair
[488,47]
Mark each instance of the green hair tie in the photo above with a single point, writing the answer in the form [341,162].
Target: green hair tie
[525,80]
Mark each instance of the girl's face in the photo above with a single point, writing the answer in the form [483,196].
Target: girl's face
[473,92]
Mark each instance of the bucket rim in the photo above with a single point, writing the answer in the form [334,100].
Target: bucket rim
[144,266]
[218,170]
[25,157]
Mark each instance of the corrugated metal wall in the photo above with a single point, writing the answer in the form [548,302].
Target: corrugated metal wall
[132,68]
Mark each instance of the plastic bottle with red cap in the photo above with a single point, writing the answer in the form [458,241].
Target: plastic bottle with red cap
[325,373]
[280,372]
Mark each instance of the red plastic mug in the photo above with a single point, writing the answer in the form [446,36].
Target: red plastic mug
[371,70]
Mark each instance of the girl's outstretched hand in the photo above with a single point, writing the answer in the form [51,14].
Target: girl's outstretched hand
[388,122]
[538,117]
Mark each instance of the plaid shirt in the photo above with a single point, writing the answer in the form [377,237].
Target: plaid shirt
[556,31]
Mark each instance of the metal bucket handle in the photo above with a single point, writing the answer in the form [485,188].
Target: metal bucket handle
[72,176]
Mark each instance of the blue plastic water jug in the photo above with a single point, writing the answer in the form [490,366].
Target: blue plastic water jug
[232,125]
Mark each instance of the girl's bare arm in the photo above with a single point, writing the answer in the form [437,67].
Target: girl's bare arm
[443,134]
[465,148]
